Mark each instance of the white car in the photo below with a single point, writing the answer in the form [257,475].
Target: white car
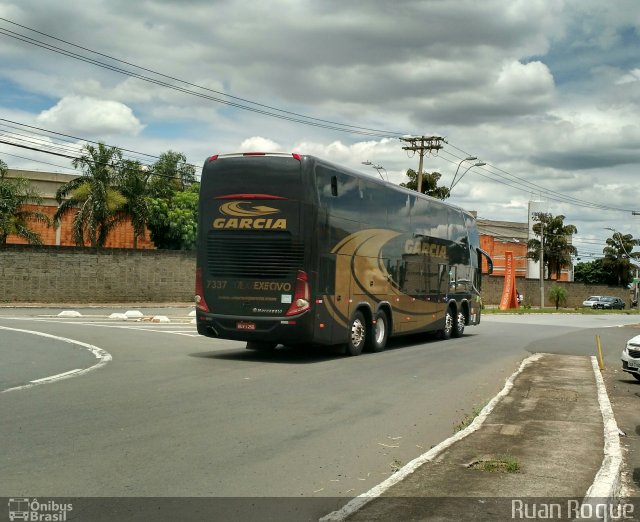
[631,357]
[591,301]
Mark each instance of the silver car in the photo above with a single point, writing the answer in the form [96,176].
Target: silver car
[631,357]
[591,301]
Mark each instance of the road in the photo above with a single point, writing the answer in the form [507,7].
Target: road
[175,414]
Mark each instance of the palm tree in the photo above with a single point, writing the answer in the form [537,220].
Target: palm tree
[93,195]
[617,255]
[557,248]
[15,218]
[558,295]
[133,183]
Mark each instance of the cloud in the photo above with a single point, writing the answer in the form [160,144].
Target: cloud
[259,144]
[90,117]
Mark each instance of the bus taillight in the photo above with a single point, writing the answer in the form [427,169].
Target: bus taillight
[301,295]
[201,304]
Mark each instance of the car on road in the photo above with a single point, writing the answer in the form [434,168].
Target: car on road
[590,301]
[609,303]
[631,357]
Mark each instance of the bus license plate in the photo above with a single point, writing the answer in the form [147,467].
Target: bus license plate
[245,325]
[634,364]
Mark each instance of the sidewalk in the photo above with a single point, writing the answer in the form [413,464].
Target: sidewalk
[541,443]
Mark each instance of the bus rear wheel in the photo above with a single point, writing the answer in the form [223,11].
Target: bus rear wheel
[458,329]
[357,334]
[447,329]
[380,333]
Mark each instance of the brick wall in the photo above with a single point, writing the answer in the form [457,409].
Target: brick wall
[120,237]
[45,274]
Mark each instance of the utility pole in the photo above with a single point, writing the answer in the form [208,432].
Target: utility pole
[541,264]
[422,144]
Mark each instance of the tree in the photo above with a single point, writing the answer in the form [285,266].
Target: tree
[429,184]
[93,196]
[593,273]
[133,183]
[557,248]
[173,221]
[171,173]
[15,218]
[558,295]
[618,254]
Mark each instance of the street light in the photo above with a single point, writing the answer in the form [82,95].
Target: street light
[378,168]
[476,164]
[468,158]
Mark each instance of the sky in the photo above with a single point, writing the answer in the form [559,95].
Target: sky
[546,93]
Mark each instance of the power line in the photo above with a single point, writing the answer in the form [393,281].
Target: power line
[268,110]
[259,108]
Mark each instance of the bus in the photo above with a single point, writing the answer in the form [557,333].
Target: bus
[295,250]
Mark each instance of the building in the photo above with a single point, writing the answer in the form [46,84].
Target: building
[498,237]
[47,183]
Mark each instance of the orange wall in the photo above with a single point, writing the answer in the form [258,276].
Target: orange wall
[497,249]
[120,237]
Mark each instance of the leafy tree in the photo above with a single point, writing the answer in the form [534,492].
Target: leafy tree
[593,273]
[429,184]
[618,254]
[133,183]
[171,173]
[15,194]
[93,196]
[173,221]
[557,248]
[558,295]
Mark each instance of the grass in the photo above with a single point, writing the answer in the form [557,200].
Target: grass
[467,419]
[552,310]
[502,464]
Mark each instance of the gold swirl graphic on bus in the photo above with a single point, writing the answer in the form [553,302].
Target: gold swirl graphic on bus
[361,268]
[235,209]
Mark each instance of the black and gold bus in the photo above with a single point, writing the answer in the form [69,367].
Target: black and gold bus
[295,250]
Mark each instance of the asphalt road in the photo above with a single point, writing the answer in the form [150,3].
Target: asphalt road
[175,414]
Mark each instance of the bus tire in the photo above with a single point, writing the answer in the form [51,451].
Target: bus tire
[447,329]
[357,334]
[261,346]
[379,333]
[458,329]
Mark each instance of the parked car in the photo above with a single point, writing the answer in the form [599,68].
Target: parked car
[591,301]
[631,357]
[609,303]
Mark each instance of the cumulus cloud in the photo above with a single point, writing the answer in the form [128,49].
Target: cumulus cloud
[259,144]
[90,116]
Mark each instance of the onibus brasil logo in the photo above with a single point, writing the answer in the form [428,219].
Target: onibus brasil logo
[33,510]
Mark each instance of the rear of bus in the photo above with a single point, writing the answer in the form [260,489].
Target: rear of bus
[251,280]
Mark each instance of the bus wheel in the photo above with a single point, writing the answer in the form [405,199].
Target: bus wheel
[459,326]
[357,334]
[259,345]
[446,332]
[378,340]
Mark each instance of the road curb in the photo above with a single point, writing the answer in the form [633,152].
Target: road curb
[361,500]
[606,485]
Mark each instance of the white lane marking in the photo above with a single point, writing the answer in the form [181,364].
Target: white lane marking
[56,377]
[606,484]
[189,330]
[103,356]
[357,503]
